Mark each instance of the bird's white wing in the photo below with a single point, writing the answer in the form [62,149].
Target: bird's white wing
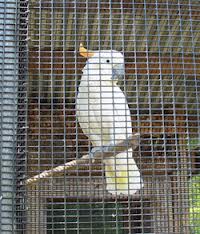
[107,120]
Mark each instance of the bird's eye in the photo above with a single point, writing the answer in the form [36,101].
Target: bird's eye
[107,60]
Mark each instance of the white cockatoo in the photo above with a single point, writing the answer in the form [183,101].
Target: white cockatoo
[104,117]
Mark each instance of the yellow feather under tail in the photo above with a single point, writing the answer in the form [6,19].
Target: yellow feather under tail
[122,174]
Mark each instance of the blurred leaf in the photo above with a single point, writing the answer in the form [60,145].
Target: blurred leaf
[194,143]
[195,205]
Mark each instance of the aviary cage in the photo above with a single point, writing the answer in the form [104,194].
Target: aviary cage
[159,40]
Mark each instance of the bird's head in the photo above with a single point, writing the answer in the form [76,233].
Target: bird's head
[106,64]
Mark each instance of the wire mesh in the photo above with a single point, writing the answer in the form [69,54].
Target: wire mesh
[137,75]
[13,67]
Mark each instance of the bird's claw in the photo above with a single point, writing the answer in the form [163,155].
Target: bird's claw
[95,150]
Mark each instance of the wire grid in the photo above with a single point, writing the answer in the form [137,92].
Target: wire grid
[160,43]
[22,117]
[13,67]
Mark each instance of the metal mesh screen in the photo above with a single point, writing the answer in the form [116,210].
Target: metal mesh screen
[13,70]
[113,123]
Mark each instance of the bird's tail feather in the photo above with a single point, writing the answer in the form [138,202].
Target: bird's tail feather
[122,174]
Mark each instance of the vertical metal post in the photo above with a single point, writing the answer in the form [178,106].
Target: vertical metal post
[8,112]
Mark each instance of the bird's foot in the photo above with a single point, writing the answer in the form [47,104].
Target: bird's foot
[95,153]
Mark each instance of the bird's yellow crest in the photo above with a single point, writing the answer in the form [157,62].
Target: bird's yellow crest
[84,52]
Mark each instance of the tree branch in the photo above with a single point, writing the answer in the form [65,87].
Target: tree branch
[112,150]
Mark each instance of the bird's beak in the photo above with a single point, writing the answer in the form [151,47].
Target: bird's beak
[118,72]
[84,52]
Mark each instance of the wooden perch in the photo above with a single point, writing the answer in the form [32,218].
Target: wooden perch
[84,161]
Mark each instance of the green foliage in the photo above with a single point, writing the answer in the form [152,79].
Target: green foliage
[194,143]
[195,205]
